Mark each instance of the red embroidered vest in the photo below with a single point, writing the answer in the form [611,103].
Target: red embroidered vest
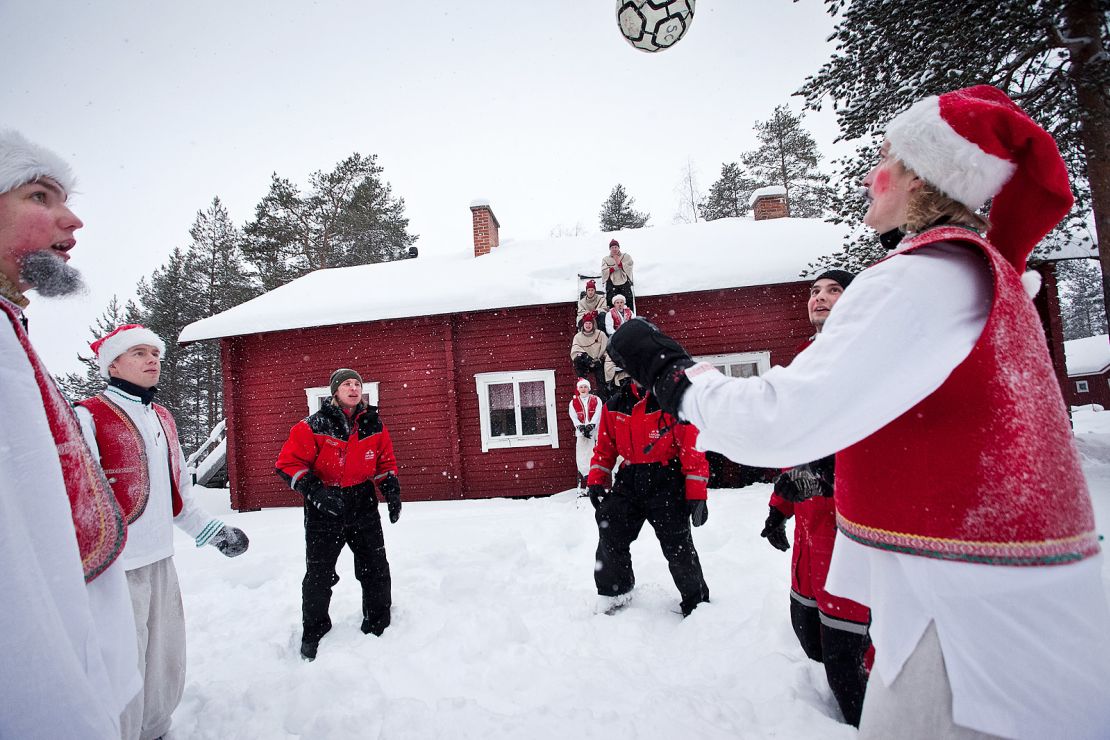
[984,470]
[585,414]
[97,519]
[123,454]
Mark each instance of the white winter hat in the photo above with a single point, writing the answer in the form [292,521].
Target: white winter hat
[22,161]
[115,343]
[583,382]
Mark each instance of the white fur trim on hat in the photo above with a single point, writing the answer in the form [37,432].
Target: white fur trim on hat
[924,142]
[22,161]
[121,340]
[582,382]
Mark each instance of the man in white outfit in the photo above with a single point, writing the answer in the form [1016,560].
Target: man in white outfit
[136,442]
[66,631]
[963,515]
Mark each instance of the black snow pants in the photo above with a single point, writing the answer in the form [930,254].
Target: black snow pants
[655,493]
[360,528]
[841,646]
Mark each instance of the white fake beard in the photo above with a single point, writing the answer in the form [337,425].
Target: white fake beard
[49,274]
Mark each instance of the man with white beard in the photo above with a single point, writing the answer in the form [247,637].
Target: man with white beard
[66,632]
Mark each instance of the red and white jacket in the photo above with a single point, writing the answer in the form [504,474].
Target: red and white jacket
[138,448]
[635,428]
[340,451]
[588,413]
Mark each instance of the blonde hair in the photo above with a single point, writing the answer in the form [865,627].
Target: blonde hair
[930,207]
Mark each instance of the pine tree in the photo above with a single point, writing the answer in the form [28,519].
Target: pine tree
[617,212]
[348,217]
[78,386]
[219,280]
[787,156]
[167,303]
[729,195]
[1050,56]
[1081,308]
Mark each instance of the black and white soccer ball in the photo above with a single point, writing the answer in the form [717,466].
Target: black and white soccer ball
[654,25]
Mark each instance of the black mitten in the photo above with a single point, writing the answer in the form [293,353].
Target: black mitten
[588,432]
[774,529]
[800,483]
[654,360]
[597,495]
[231,541]
[391,489]
[698,511]
[328,500]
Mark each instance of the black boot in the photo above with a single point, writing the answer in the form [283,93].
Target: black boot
[308,650]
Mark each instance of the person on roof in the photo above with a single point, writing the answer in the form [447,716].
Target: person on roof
[616,268]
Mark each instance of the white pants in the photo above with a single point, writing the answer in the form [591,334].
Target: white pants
[918,705]
[160,626]
[584,452]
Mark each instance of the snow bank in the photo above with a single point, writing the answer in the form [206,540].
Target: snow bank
[1088,355]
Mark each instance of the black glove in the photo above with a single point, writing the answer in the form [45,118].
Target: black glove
[597,495]
[698,511]
[582,429]
[328,500]
[589,430]
[774,529]
[654,360]
[391,489]
[800,483]
[231,541]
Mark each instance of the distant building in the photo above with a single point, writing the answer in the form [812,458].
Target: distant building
[1088,371]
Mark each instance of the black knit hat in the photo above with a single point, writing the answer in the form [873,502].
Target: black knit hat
[842,277]
[343,373]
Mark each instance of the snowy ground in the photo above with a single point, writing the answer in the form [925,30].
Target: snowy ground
[493,634]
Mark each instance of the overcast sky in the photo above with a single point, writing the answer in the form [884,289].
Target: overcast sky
[538,107]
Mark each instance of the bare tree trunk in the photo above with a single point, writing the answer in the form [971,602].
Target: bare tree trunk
[1089,63]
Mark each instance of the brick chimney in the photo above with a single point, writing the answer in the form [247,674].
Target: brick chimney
[769,202]
[485,227]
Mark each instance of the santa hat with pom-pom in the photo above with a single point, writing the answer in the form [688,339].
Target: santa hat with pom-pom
[22,161]
[976,144]
[115,343]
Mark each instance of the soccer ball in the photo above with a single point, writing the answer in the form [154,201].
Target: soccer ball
[654,25]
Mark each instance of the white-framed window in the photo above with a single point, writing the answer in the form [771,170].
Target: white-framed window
[740,364]
[316,396]
[517,409]
[1082,386]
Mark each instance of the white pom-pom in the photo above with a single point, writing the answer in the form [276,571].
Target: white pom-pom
[1031,281]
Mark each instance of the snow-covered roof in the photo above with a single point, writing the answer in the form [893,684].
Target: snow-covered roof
[769,190]
[682,258]
[1087,356]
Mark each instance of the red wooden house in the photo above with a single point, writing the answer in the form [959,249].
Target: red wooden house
[467,355]
[1088,371]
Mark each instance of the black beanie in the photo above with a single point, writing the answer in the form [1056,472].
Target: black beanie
[842,277]
[343,373]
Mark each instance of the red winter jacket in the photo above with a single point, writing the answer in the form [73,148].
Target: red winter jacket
[629,424]
[338,450]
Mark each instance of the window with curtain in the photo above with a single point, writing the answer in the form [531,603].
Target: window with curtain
[517,409]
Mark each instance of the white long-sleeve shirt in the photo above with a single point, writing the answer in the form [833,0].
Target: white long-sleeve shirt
[150,537]
[1027,649]
[69,659]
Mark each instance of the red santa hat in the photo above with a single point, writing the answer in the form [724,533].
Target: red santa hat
[614,243]
[590,316]
[583,382]
[22,161]
[591,284]
[115,343]
[976,144]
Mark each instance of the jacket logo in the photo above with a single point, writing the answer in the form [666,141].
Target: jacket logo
[369,455]
[653,434]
